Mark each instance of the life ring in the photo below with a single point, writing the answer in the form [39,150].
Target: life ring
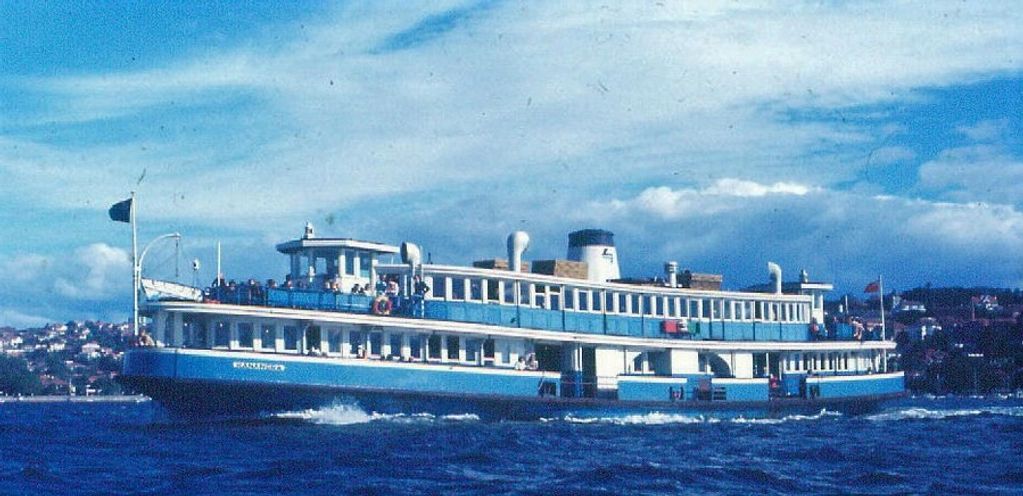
[381,305]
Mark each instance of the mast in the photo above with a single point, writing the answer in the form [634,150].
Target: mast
[135,269]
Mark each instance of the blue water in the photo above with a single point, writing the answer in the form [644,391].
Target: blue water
[923,445]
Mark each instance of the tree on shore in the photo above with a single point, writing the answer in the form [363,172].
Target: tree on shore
[16,378]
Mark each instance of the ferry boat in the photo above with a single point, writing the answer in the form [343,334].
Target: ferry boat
[372,323]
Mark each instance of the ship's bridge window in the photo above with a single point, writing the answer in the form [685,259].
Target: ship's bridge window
[475,290]
[570,299]
[221,335]
[586,301]
[365,263]
[291,337]
[268,336]
[193,333]
[350,262]
[245,335]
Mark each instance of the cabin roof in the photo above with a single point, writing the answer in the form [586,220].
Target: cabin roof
[303,244]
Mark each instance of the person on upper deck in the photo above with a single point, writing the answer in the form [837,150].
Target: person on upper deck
[392,288]
[381,285]
[521,364]
[420,287]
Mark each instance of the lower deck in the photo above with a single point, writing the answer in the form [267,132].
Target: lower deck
[224,343]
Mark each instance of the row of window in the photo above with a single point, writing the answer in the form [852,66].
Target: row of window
[602,301]
[344,342]
[329,261]
[829,361]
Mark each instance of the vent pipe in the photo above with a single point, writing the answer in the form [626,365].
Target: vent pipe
[518,242]
[410,254]
[775,271]
[671,273]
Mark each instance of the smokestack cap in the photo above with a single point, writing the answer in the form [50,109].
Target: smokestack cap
[591,237]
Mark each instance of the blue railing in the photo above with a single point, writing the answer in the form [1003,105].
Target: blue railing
[527,317]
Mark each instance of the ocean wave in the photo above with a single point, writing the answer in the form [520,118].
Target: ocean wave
[919,413]
[348,414]
[660,418]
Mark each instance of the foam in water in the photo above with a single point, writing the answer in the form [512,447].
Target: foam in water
[336,414]
[918,413]
[660,418]
[348,414]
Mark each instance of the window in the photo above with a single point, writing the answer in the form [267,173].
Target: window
[452,344]
[493,290]
[349,262]
[472,350]
[291,338]
[245,335]
[365,262]
[356,344]
[268,337]
[623,303]
[376,343]
[440,290]
[584,301]
[570,299]
[415,342]
[221,335]
[395,344]
[506,353]
[168,329]
[433,345]
[334,340]
[635,309]
[475,290]
[458,289]
[555,301]
[488,349]
[524,299]
[509,293]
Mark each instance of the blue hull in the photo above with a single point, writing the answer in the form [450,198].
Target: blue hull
[198,399]
[196,383]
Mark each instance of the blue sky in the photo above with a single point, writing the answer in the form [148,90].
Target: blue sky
[847,139]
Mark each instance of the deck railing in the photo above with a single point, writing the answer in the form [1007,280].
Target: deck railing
[534,318]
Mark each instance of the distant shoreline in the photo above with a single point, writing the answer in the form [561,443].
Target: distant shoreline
[75,399]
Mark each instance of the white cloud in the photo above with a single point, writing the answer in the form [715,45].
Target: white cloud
[886,155]
[985,131]
[19,320]
[724,194]
[979,173]
[97,271]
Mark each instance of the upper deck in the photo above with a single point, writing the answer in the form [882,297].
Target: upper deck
[322,268]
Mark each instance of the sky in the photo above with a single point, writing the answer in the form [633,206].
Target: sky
[849,139]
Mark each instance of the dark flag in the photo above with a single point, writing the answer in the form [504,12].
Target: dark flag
[872,287]
[121,211]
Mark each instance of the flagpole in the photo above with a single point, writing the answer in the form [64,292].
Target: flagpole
[884,333]
[135,269]
[880,291]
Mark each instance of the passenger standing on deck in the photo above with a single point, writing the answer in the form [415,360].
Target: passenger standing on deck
[521,364]
[420,288]
[531,362]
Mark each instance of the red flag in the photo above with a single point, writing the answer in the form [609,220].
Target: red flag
[872,287]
